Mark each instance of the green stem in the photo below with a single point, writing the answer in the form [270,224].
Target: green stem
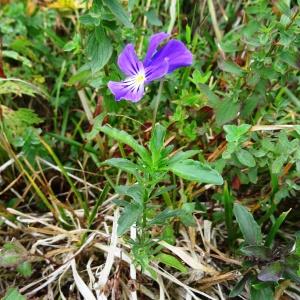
[157,101]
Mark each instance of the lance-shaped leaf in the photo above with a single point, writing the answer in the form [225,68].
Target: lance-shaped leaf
[157,142]
[124,165]
[196,171]
[123,137]
[249,228]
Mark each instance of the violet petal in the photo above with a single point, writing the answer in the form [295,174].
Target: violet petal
[155,40]
[176,53]
[128,61]
[156,71]
[126,90]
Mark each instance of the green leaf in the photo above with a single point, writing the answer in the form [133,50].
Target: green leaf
[196,171]
[13,294]
[163,216]
[12,254]
[25,269]
[228,208]
[238,288]
[246,158]
[98,49]
[182,155]
[213,99]
[297,243]
[248,226]
[291,274]
[131,4]
[278,164]
[123,164]
[263,293]
[226,111]
[186,214]
[234,132]
[153,18]
[117,9]
[133,191]
[96,127]
[16,56]
[125,138]
[283,7]
[20,87]
[130,215]
[157,142]
[171,261]
[275,228]
[261,252]
[230,67]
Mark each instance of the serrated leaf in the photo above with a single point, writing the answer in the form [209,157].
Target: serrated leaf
[119,12]
[248,226]
[196,171]
[171,261]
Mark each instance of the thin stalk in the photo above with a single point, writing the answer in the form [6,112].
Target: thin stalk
[156,103]
[66,140]
[57,95]
[214,21]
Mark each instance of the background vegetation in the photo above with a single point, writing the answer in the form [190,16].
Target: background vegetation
[196,198]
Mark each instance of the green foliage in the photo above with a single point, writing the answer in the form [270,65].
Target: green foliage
[14,255]
[274,264]
[149,171]
[249,228]
[13,294]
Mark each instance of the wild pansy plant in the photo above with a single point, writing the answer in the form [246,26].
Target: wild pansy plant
[158,62]
[149,174]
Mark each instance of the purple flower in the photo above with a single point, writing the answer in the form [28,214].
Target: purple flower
[157,63]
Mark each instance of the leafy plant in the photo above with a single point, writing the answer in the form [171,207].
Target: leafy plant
[151,169]
[273,263]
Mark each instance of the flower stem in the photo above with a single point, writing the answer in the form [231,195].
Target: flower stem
[156,103]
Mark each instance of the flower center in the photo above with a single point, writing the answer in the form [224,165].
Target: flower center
[140,78]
